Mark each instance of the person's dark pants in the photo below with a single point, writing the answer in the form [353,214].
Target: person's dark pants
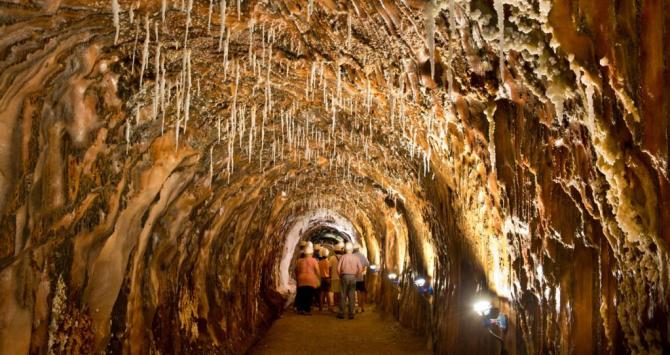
[348,290]
[304,298]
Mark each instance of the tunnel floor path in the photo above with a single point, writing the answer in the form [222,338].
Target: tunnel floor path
[322,333]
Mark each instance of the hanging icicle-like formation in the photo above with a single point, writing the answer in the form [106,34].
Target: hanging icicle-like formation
[115,19]
[252,132]
[187,99]
[239,9]
[127,135]
[500,11]
[157,85]
[188,21]
[429,13]
[131,13]
[209,16]
[145,51]
[452,32]
[223,25]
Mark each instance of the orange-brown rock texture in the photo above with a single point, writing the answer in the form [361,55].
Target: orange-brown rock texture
[160,160]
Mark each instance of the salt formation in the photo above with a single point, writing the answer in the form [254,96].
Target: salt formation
[209,16]
[500,13]
[452,32]
[539,182]
[223,26]
[115,19]
[145,50]
[430,11]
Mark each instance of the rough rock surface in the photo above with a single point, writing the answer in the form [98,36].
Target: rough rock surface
[159,161]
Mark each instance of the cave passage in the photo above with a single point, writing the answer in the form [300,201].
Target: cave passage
[503,164]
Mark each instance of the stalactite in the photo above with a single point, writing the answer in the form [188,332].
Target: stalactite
[223,26]
[500,11]
[252,132]
[211,165]
[137,114]
[163,8]
[218,129]
[162,95]
[225,56]
[145,51]
[156,102]
[239,10]
[209,16]
[187,99]
[115,20]
[137,34]
[176,132]
[188,22]
[251,42]
[127,136]
[241,125]
[233,111]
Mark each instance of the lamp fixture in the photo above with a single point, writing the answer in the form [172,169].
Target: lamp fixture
[420,282]
[482,307]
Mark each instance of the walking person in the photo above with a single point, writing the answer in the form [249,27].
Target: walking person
[324,267]
[308,275]
[350,267]
[361,290]
[335,286]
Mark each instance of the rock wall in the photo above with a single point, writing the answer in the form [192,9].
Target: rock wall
[160,160]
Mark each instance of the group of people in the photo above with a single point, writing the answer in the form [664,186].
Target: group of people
[331,279]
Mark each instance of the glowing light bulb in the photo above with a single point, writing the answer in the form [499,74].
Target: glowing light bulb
[393,276]
[482,307]
[373,267]
[420,282]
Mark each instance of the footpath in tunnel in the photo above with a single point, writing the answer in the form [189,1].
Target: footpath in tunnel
[322,333]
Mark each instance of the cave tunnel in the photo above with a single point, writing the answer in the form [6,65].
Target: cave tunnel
[503,164]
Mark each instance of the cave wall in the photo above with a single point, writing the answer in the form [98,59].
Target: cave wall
[152,171]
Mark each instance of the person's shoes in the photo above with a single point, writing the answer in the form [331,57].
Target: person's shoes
[351,316]
[340,316]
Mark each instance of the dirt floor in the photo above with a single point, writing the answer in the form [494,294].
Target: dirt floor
[322,333]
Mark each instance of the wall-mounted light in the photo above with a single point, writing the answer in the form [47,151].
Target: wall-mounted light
[482,307]
[373,268]
[491,316]
[420,282]
[393,277]
[423,286]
